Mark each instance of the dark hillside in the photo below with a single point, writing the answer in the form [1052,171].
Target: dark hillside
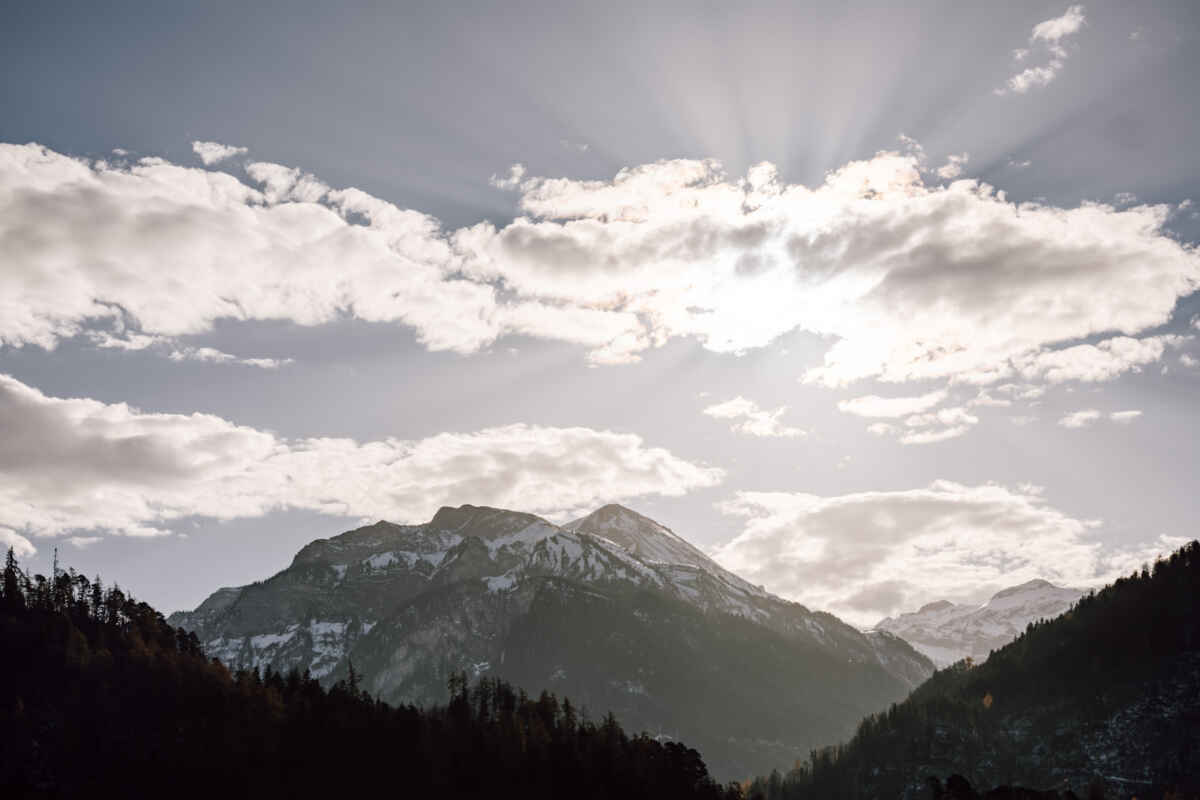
[100,696]
[1107,695]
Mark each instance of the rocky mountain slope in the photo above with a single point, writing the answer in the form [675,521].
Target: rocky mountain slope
[612,610]
[948,632]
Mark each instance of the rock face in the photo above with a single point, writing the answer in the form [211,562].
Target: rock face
[947,632]
[612,610]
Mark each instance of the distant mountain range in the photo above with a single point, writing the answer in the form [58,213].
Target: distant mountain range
[948,632]
[613,610]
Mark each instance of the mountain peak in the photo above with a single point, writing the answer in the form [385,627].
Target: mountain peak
[641,536]
[1029,586]
[482,521]
[937,605]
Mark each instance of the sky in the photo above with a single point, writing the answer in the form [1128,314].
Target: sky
[876,305]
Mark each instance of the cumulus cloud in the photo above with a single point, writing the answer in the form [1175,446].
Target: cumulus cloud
[1125,416]
[875,406]
[938,426]
[752,420]
[909,281]
[870,554]
[212,152]
[1080,419]
[21,546]
[954,166]
[1099,362]
[1050,38]
[79,465]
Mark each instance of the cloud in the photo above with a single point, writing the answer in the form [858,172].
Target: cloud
[79,465]
[954,166]
[1049,36]
[168,347]
[908,281]
[938,426]
[212,152]
[1052,31]
[1088,416]
[1080,419]
[753,420]
[875,406]
[21,547]
[1188,361]
[870,554]
[516,174]
[1099,362]
[84,542]
[214,356]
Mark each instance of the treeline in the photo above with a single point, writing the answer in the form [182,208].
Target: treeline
[99,695]
[1105,698]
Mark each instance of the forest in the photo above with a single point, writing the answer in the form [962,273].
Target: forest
[102,697]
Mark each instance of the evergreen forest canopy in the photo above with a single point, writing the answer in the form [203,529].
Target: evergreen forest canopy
[101,696]
[1104,699]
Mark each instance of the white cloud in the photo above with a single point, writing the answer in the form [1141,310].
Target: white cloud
[84,542]
[77,465]
[938,426]
[1049,36]
[1055,30]
[753,420]
[875,406]
[214,356]
[933,436]
[1092,363]
[882,428]
[1124,416]
[1080,419]
[947,540]
[21,547]
[516,174]
[984,398]
[909,281]
[954,166]
[212,152]
[1188,361]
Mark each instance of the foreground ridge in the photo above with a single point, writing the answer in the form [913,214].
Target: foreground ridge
[1106,696]
[100,695]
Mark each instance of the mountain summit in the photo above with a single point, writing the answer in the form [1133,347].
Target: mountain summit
[613,610]
[948,632]
[641,536]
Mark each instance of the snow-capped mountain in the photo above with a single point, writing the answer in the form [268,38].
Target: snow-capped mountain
[948,632]
[612,610]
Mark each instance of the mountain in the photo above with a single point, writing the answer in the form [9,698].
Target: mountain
[947,632]
[1104,699]
[613,610]
[100,697]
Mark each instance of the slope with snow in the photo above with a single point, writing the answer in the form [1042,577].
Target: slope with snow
[613,610]
[948,632]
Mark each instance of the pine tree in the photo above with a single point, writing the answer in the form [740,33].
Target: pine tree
[14,597]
